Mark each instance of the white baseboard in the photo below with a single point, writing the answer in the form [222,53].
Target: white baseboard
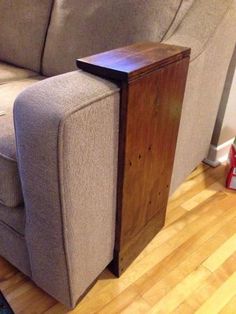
[218,154]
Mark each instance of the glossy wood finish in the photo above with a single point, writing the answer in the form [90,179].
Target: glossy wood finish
[189,267]
[152,78]
[128,63]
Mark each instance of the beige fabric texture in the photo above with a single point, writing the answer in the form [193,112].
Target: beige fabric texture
[10,73]
[13,218]
[199,25]
[67,141]
[23,26]
[206,79]
[13,248]
[10,189]
[80,28]
[184,7]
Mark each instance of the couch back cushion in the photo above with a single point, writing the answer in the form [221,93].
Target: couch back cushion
[184,7]
[23,27]
[80,28]
[199,25]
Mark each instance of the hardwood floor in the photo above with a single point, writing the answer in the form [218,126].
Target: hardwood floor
[189,267]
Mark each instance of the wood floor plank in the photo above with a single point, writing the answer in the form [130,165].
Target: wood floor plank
[208,287]
[230,307]
[198,170]
[194,185]
[181,291]
[121,302]
[180,246]
[175,214]
[58,309]
[139,306]
[202,196]
[168,279]
[177,226]
[220,298]
[221,254]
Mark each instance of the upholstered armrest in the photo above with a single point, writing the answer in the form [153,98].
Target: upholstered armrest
[67,134]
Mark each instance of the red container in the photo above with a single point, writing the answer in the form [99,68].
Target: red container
[231,178]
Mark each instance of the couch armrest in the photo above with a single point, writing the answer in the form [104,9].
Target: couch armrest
[67,139]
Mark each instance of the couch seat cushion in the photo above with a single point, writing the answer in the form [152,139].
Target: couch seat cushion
[10,189]
[11,73]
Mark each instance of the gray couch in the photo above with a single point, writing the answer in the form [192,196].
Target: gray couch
[58,159]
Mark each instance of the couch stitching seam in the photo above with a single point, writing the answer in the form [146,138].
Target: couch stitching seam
[173,20]
[3,223]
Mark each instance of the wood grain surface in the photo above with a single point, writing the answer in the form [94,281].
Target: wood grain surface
[152,77]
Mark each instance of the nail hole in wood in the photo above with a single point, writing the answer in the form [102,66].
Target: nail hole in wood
[139,156]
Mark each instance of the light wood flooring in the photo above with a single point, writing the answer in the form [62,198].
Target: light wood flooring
[189,267]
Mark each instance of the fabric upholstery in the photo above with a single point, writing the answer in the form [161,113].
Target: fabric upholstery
[10,189]
[184,7]
[202,97]
[80,28]
[199,25]
[23,26]
[13,218]
[13,248]
[67,139]
[10,73]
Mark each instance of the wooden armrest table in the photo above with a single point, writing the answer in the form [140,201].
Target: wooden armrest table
[152,78]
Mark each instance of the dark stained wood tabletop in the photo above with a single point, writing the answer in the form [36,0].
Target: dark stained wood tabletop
[132,61]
